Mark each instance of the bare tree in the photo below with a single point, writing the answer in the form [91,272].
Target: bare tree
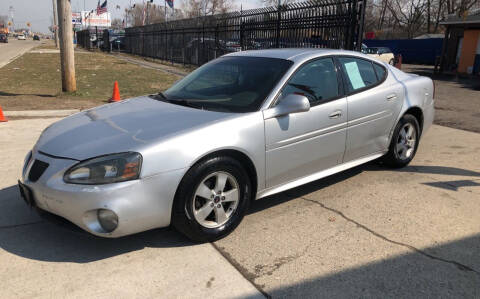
[117,24]
[4,21]
[277,2]
[409,15]
[196,8]
[141,14]
[146,14]
[459,7]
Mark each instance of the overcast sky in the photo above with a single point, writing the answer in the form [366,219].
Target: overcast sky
[39,12]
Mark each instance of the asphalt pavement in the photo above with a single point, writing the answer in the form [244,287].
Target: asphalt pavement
[15,48]
[366,232]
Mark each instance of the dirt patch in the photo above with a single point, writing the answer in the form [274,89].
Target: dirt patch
[33,81]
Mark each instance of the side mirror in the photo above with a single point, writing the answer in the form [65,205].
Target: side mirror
[293,103]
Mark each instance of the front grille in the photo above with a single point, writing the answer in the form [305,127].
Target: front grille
[37,169]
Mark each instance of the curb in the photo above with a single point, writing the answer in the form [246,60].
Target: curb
[40,113]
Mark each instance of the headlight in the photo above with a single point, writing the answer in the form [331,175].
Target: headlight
[105,169]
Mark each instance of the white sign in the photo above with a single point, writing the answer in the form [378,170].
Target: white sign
[76,18]
[91,19]
[354,75]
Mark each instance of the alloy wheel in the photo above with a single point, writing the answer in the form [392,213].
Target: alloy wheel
[216,199]
[406,141]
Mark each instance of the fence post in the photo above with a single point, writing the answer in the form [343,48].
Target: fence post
[242,32]
[216,42]
[360,26]
[353,25]
[203,39]
[165,55]
[279,16]
[183,45]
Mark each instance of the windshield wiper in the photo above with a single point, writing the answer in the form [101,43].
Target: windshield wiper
[162,95]
[182,102]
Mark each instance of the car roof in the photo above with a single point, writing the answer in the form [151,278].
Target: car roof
[294,54]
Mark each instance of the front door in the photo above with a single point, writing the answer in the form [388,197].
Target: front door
[301,144]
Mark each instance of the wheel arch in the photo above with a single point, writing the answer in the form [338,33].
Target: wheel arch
[418,114]
[236,154]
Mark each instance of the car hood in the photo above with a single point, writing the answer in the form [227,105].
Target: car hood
[124,126]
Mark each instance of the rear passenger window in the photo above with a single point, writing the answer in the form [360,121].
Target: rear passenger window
[380,70]
[359,73]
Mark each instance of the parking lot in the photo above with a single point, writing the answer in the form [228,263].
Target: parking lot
[366,232]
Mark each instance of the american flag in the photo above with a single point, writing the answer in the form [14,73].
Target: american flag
[101,8]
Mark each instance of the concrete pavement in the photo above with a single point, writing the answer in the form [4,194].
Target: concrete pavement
[367,232]
[15,48]
[372,231]
[42,260]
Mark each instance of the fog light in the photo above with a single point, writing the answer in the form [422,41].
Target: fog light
[107,219]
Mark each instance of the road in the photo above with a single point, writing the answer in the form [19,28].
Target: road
[15,48]
[367,232]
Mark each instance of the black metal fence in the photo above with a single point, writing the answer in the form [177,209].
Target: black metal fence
[106,40]
[90,38]
[318,23]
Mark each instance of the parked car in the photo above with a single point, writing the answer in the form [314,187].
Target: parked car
[21,37]
[118,43]
[241,127]
[3,38]
[381,53]
[36,37]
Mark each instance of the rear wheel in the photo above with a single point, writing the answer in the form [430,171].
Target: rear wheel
[391,62]
[404,142]
[212,199]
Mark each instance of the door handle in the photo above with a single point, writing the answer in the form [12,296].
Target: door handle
[336,114]
[391,97]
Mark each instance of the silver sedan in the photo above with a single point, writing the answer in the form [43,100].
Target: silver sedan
[242,127]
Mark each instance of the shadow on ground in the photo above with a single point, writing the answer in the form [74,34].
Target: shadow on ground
[61,241]
[303,190]
[41,240]
[411,275]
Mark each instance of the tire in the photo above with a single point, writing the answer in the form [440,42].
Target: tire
[189,208]
[391,62]
[403,145]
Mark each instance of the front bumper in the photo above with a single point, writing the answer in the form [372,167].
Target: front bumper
[140,205]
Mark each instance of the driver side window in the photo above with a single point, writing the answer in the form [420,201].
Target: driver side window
[317,80]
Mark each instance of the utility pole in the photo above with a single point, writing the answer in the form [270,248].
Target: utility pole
[67,58]
[55,22]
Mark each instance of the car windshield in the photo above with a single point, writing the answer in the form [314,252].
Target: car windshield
[228,84]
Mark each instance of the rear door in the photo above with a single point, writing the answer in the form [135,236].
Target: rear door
[373,104]
[301,144]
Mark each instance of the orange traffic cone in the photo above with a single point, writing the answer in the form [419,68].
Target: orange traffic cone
[2,117]
[116,93]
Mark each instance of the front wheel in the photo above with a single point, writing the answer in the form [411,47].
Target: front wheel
[404,142]
[212,199]
[391,62]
